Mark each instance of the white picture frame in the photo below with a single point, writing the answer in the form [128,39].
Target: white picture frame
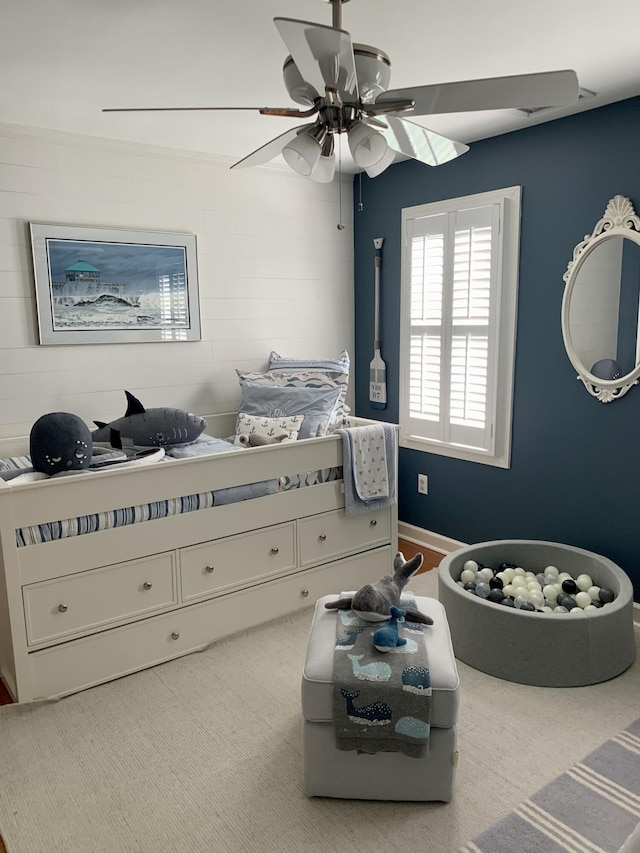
[114,286]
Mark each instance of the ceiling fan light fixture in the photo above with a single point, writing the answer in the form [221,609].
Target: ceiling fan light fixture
[326,167]
[382,164]
[367,145]
[303,153]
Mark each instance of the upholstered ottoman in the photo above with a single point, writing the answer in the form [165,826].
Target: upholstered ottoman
[329,772]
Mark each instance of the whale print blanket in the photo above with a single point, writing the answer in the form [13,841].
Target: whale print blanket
[381,700]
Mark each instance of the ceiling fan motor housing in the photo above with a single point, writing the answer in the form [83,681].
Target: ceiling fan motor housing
[373,72]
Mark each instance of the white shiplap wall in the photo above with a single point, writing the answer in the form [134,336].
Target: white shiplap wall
[274,272]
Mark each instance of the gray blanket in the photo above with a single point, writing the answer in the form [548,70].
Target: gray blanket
[381,700]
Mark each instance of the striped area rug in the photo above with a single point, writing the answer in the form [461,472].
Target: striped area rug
[591,808]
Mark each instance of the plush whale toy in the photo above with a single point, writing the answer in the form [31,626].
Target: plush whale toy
[149,427]
[373,602]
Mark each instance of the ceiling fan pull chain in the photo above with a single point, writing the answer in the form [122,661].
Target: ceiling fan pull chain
[340,224]
[360,204]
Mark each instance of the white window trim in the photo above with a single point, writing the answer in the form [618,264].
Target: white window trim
[508,305]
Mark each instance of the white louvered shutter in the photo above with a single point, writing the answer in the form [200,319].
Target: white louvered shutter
[453,261]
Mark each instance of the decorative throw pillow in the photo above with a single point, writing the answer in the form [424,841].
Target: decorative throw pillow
[318,405]
[341,364]
[304,379]
[248,424]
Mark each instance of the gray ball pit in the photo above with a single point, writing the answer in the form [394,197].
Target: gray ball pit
[542,649]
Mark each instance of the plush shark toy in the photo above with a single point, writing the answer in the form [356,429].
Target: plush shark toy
[373,602]
[149,427]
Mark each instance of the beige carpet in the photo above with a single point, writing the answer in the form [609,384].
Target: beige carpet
[202,755]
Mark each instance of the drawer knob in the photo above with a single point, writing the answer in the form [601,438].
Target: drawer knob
[175,635]
[373,522]
[62,608]
[322,537]
[147,585]
[304,593]
[275,550]
[209,569]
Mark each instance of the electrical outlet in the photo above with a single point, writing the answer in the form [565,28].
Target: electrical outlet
[423,484]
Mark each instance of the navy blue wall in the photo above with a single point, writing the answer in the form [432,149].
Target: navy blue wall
[575,462]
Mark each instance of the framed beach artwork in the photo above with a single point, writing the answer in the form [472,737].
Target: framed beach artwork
[107,286]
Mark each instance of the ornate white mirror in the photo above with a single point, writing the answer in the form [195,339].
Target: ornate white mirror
[601,304]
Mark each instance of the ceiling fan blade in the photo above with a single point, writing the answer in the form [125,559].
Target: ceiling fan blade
[547,89]
[421,144]
[265,111]
[269,150]
[323,55]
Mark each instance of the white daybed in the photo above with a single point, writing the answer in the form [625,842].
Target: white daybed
[81,610]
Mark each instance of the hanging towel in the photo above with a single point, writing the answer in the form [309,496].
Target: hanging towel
[369,460]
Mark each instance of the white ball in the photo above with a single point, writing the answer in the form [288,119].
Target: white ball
[547,609]
[472,565]
[467,576]
[550,591]
[564,576]
[590,607]
[534,586]
[487,574]
[509,589]
[537,599]
[594,592]
[551,571]
[508,575]
[583,582]
[583,599]
[576,611]
[560,610]
[460,583]
[519,581]
[519,571]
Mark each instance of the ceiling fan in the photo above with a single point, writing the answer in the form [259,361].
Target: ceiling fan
[345,86]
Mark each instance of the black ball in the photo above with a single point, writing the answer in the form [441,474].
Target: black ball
[504,566]
[606,596]
[527,606]
[508,601]
[570,586]
[597,603]
[496,583]
[495,595]
[470,586]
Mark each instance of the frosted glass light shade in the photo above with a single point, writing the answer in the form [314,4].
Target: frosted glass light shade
[302,154]
[325,170]
[367,146]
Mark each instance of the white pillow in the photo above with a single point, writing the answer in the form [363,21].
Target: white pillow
[273,427]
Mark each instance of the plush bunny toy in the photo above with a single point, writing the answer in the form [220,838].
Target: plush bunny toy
[373,602]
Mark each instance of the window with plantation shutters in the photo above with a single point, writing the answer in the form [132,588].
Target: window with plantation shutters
[459,281]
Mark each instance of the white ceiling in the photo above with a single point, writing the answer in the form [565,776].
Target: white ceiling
[62,61]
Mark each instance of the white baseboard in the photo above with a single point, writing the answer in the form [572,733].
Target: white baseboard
[428,539]
[444,545]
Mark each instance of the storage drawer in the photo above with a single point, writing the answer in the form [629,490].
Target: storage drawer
[78,602]
[118,651]
[234,561]
[323,537]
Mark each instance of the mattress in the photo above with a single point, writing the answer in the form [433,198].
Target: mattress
[122,516]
